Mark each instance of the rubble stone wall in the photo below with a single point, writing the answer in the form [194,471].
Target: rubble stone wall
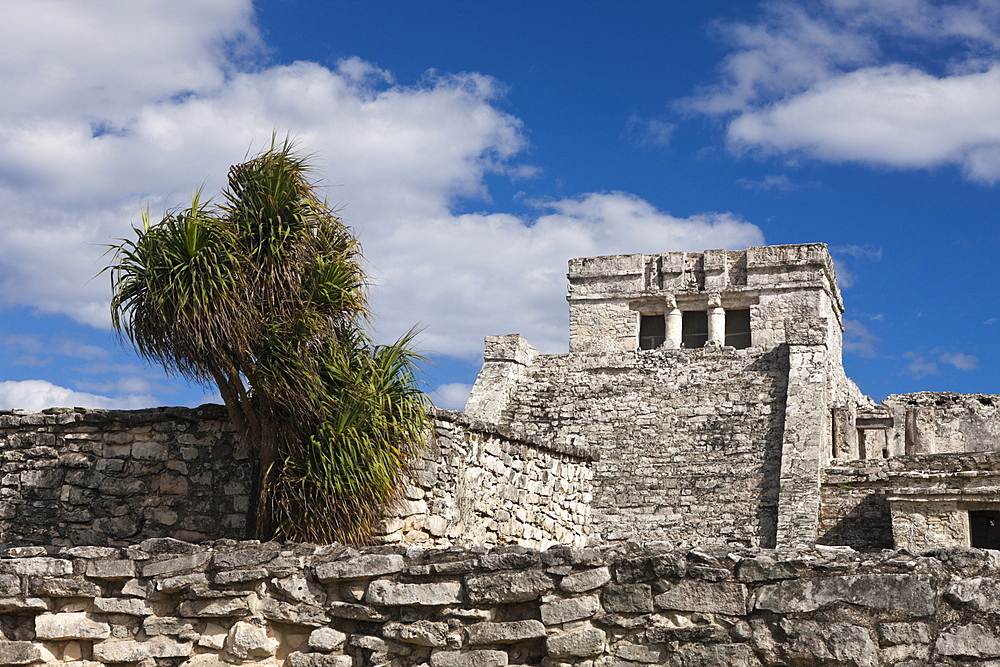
[931,496]
[930,422]
[111,477]
[168,603]
[479,484]
[854,508]
[690,440]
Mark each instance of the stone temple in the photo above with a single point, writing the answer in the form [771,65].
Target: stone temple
[702,401]
[712,386]
[698,469]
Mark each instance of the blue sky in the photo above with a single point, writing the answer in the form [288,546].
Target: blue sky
[476,146]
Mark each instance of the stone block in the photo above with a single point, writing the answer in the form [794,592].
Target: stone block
[911,595]
[19,653]
[897,634]
[111,569]
[168,625]
[206,660]
[507,587]
[150,451]
[361,567]
[70,625]
[627,598]
[763,568]
[803,642]
[482,658]
[175,565]
[294,614]
[581,643]
[60,587]
[299,659]
[21,604]
[968,641]
[357,612]
[650,655]
[393,594]
[37,567]
[242,558]
[227,577]
[247,640]
[507,632]
[713,598]
[128,606]
[10,584]
[127,650]
[421,633]
[588,580]
[730,655]
[222,607]
[326,639]
[179,583]
[571,609]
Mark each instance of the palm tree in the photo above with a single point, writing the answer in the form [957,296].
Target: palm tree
[264,295]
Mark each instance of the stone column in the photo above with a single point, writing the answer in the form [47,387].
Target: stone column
[675,323]
[507,363]
[716,321]
[804,437]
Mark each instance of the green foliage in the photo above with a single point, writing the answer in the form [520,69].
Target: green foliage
[264,295]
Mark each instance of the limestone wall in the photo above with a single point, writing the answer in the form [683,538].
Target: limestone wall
[689,439]
[111,477]
[854,507]
[942,422]
[779,284]
[480,484]
[931,496]
[167,603]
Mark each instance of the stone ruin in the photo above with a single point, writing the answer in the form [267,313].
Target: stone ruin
[696,482]
[712,387]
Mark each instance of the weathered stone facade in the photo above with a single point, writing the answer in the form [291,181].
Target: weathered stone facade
[711,383]
[111,477]
[702,409]
[481,484]
[165,602]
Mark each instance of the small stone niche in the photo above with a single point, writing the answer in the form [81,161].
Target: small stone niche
[738,328]
[984,529]
[652,331]
[694,328]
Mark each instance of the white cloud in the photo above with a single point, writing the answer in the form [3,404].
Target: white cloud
[895,116]
[843,255]
[470,275]
[960,360]
[918,366]
[649,132]
[39,394]
[176,111]
[772,182]
[452,395]
[921,366]
[859,340]
[817,83]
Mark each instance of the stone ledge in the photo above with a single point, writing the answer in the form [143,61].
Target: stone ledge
[585,453]
[59,416]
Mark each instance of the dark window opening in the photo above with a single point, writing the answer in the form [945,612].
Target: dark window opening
[984,529]
[738,328]
[652,331]
[862,449]
[694,328]
[834,434]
